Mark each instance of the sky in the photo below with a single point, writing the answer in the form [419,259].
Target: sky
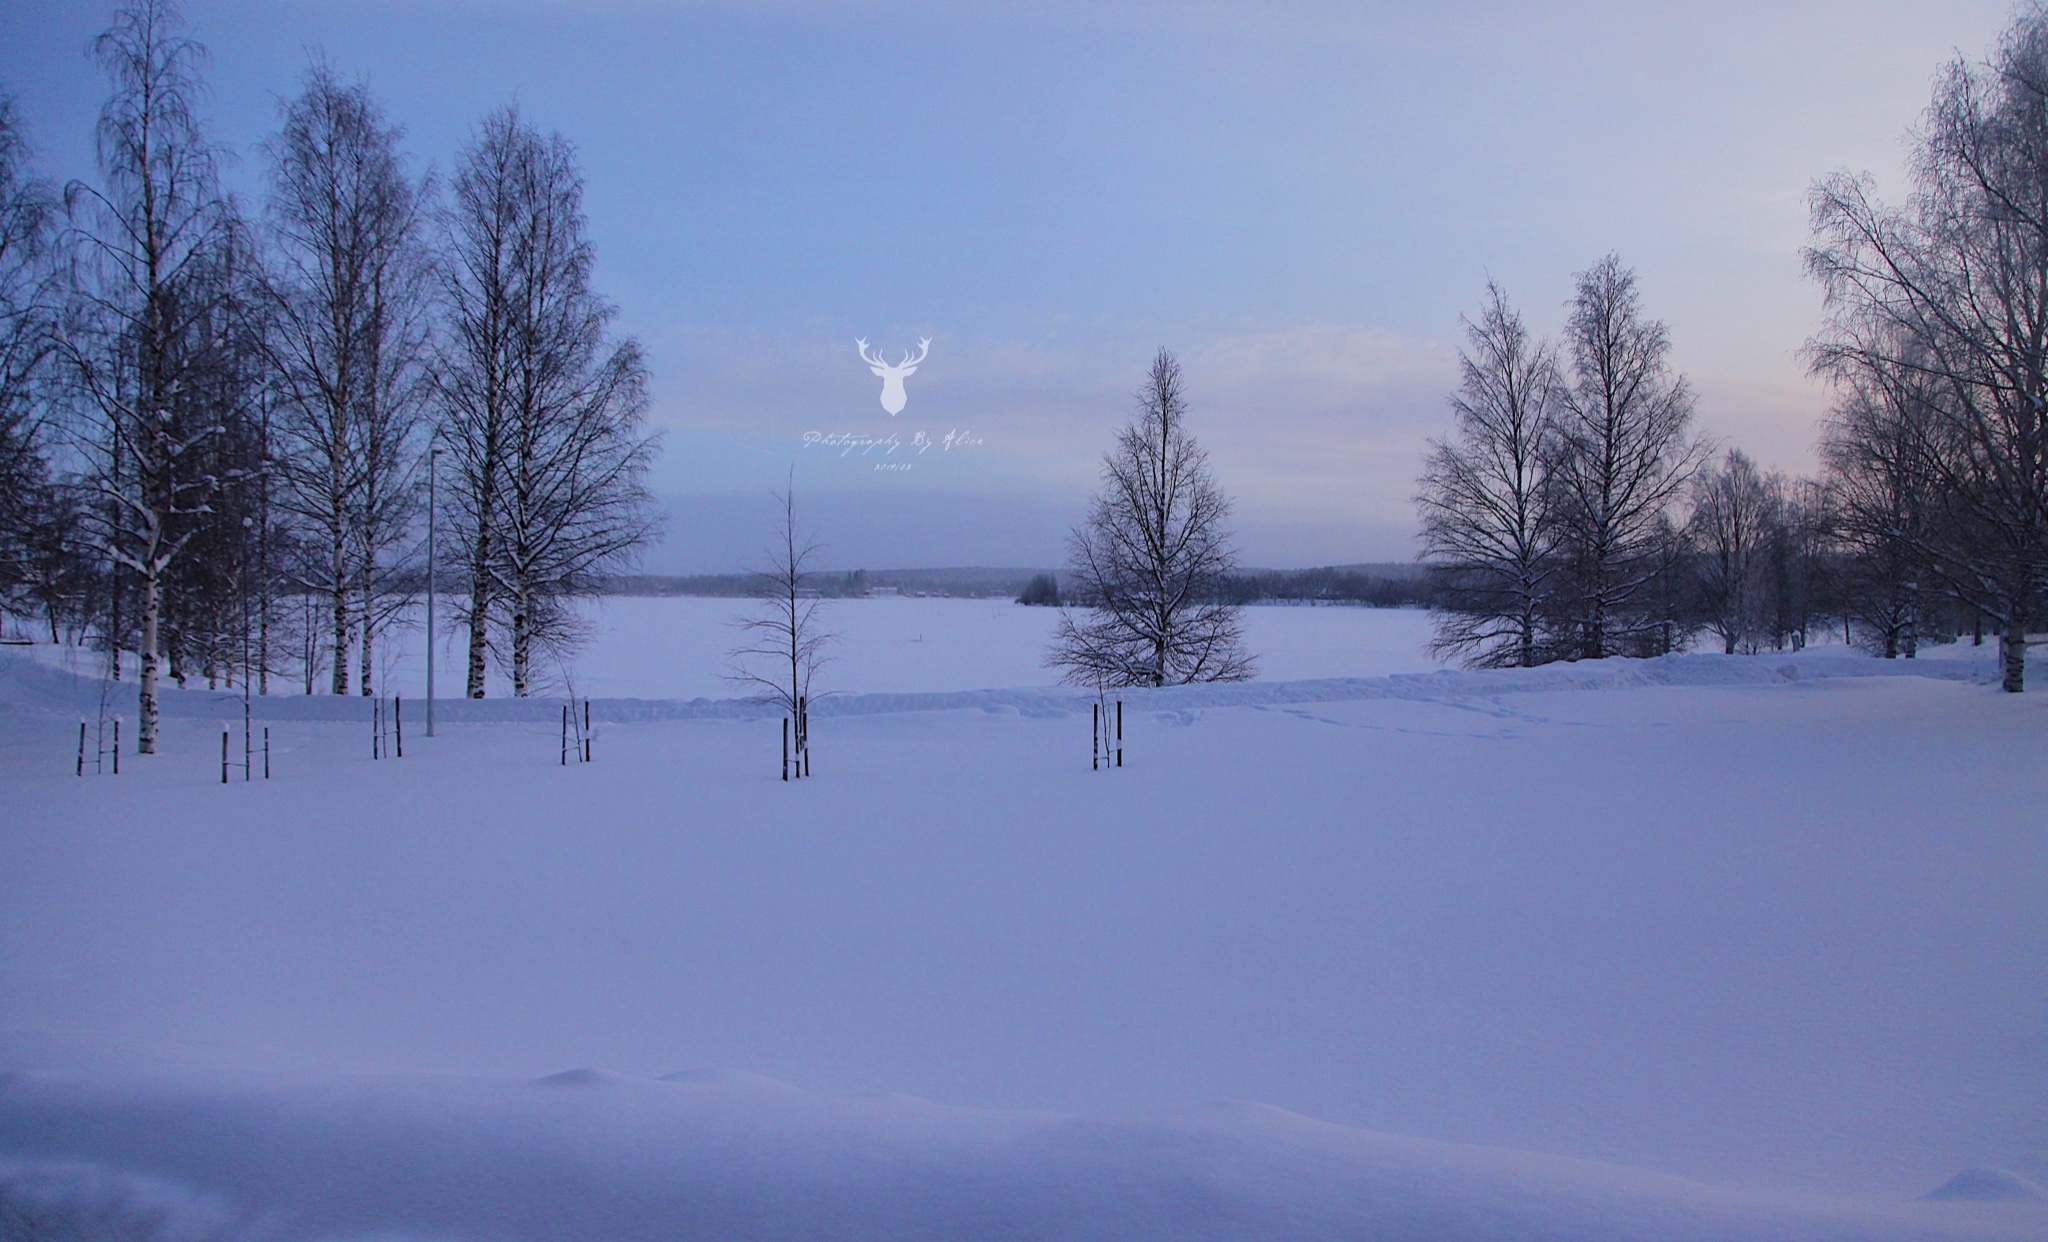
[1299,199]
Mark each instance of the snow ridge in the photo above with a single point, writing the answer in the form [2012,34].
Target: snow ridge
[28,685]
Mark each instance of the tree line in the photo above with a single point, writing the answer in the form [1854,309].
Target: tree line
[1574,512]
[218,424]
[1394,587]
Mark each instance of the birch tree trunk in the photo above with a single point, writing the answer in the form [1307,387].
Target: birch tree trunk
[479,617]
[339,617]
[522,642]
[2013,657]
[146,716]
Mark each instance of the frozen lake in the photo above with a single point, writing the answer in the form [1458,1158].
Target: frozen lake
[674,648]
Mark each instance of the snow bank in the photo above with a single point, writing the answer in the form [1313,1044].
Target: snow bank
[706,1155]
[26,684]
[1989,1186]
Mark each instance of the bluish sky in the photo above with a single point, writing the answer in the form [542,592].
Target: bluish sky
[1300,199]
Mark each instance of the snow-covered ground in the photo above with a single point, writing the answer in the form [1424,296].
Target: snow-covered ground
[1700,948]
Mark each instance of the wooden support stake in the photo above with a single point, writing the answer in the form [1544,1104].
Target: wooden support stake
[1119,733]
[117,746]
[586,730]
[785,748]
[398,723]
[223,756]
[266,752]
[81,748]
[565,735]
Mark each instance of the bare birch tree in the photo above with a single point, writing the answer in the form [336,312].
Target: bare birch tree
[574,500]
[544,414]
[150,236]
[1952,289]
[348,345]
[474,369]
[1622,456]
[1487,534]
[1151,559]
[782,648]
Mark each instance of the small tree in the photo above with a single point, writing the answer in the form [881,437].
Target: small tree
[1738,521]
[1153,556]
[1803,576]
[782,648]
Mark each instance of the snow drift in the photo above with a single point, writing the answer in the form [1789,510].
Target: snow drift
[708,1155]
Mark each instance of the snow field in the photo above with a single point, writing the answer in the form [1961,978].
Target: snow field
[1783,936]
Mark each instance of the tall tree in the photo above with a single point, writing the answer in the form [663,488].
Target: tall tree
[137,338]
[214,592]
[349,347]
[1622,455]
[29,506]
[544,414]
[473,371]
[1884,504]
[1152,558]
[1952,288]
[575,502]
[1487,533]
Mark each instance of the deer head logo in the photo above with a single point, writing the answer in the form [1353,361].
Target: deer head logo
[893,376]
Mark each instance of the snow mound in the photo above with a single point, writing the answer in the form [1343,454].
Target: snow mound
[67,1199]
[28,684]
[576,1078]
[494,1160]
[1988,1185]
[706,1076]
